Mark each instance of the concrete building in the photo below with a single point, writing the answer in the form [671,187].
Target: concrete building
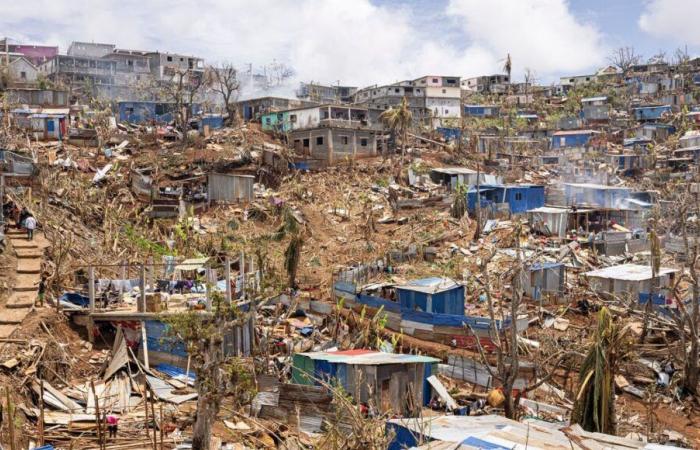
[164,65]
[37,54]
[494,84]
[23,73]
[433,99]
[89,49]
[80,70]
[319,93]
[567,83]
[255,108]
[132,66]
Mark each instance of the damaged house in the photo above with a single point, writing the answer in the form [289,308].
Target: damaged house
[511,199]
[327,134]
[393,382]
[630,279]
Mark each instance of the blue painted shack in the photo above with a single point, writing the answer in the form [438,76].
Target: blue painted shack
[144,112]
[404,307]
[391,381]
[449,134]
[652,112]
[213,121]
[432,295]
[481,110]
[519,197]
[572,138]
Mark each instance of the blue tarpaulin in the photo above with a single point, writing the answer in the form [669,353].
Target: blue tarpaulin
[76,299]
[173,371]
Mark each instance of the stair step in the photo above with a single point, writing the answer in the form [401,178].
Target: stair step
[28,271]
[32,255]
[24,304]
[7,330]
[25,289]
[23,245]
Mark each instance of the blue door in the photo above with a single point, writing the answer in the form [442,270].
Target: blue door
[50,125]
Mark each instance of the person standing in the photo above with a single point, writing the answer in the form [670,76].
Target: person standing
[30,225]
[112,424]
[42,289]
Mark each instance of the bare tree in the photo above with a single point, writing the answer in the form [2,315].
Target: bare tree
[224,81]
[681,56]
[624,58]
[182,89]
[530,80]
[689,321]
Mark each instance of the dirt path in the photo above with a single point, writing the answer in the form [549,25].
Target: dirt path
[24,293]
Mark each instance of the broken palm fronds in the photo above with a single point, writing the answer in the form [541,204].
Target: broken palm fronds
[459,204]
[594,406]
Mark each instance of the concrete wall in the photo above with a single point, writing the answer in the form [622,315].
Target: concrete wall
[21,71]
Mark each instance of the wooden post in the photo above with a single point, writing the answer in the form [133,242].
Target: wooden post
[10,418]
[241,265]
[227,277]
[91,288]
[123,274]
[155,424]
[91,296]
[97,413]
[145,405]
[162,444]
[144,341]
[41,412]
[142,288]
[208,287]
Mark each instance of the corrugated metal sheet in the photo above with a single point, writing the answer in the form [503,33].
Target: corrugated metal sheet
[230,188]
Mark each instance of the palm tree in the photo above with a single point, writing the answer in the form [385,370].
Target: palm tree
[507,66]
[399,120]
[594,406]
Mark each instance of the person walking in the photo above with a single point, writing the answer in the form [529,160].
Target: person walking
[30,225]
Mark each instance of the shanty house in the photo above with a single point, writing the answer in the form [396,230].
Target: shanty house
[595,109]
[392,381]
[481,110]
[519,197]
[229,188]
[453,176]
[143,112]
[631,279]
[43,123]
[432,295]
[655,131]
[492,432]
[572,138]
[654,112]
[254,108]
[691,138]
[544,278]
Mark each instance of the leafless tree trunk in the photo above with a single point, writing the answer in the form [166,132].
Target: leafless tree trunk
[224,81]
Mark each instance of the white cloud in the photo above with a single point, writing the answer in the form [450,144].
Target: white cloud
[676,20]
[356,42]
[540,34]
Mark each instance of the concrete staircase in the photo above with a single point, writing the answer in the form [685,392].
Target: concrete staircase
[26,289]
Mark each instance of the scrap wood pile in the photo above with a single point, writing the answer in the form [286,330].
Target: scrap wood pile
[63,383]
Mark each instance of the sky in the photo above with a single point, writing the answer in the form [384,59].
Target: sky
[365,42]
